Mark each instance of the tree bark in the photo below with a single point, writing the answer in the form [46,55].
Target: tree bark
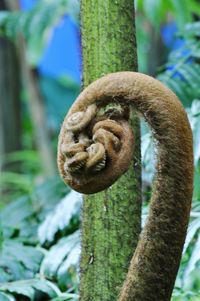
[111,220]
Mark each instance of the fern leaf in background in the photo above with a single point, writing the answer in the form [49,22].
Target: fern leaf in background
[62,257]
[28,270]
[60,217]
[182,72]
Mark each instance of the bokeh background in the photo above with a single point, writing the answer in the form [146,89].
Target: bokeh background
[40,76]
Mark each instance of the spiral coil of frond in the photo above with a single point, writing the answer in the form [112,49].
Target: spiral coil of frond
[93,155]
[89,148]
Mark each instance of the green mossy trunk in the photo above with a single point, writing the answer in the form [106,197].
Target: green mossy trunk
[111,220]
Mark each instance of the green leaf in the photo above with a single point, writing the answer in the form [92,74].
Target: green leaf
[18,261]
[184,78]
[194,7]
[16,211]
[30,257]
[20,181]
[68,268]
[194,116]
[194,226]
[24,214]
[29,159]
[60,217]
[59,254]
[67,297]
[196,193]
[6,297]
[28,287]
[193,28]
[148,157]
[183,13]
[46,287]
[195,257]
[1,236]
[19,287]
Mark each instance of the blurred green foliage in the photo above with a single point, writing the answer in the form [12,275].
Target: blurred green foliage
[156,11]
[36,259]
[153,14]
[58,95]
[36,24]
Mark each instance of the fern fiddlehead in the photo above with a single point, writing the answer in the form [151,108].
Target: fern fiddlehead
[94,153]
[88,151]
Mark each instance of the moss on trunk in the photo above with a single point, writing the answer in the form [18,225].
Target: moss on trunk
[111,220]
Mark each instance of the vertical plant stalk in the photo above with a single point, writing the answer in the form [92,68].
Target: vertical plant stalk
[37,112]
[10,123]
[111,220]
[36,106]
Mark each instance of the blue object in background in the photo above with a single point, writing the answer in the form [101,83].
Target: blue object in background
[62,55]
[27,4]
[178,47]
[61,60]
[170,40]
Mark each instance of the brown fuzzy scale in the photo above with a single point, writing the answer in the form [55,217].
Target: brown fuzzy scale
[120,151]
[96,155]
[110,141]
[83,118]
[155,263]
[109,125]
[73,148]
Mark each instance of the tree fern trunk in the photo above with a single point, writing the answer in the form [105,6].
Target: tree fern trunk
[111,220]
